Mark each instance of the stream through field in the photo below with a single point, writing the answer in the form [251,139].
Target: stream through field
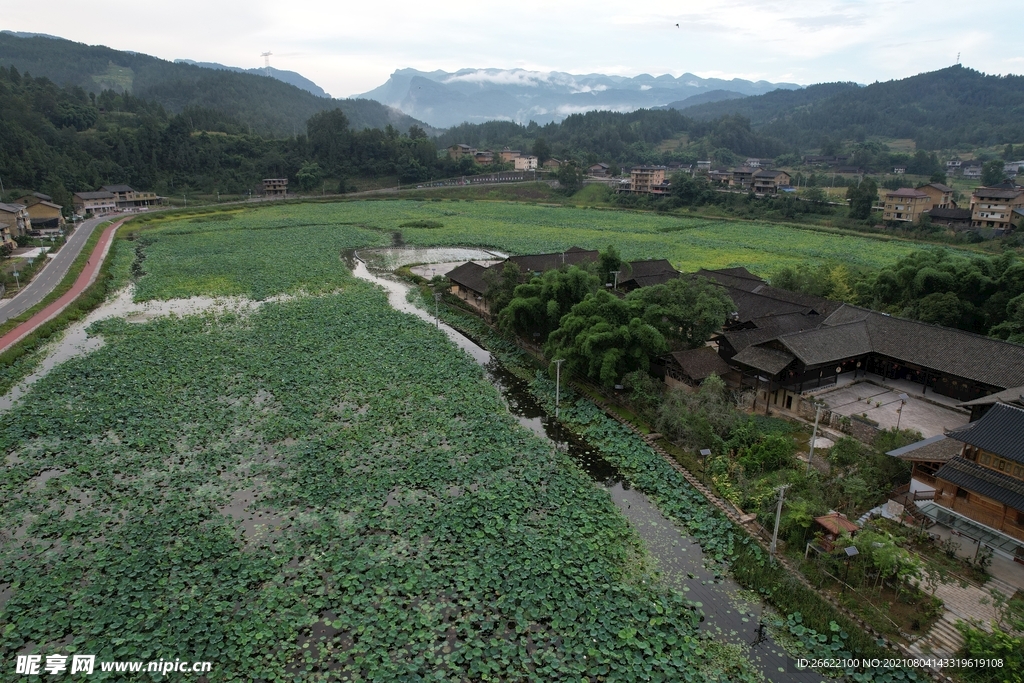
[731,614]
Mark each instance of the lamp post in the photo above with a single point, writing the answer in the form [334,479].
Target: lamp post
[851,552]
[437,298]
[705,453]
[778,516]
[558,384]
[899,411]
[16,280]
[814,437]
[616,274]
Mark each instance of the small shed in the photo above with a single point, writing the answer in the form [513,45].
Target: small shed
[834,523]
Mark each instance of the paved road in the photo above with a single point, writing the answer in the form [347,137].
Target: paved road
[54,271]
[85,278]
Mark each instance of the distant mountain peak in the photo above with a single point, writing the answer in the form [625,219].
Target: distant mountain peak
[290,77]
[444,99]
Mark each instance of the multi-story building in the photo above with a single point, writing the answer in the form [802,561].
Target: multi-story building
[525,163]
[458,151]
[274,187]
[971,169]
[16,218]
[742,177]
[45,214]
[642,179]
[770,182]
[997,207]
[508,155]
[942,195]
[484,158]
[127,198]
[93,203]
[905,205]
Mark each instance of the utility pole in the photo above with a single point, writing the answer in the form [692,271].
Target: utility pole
[814,437]
[558,383]
[616,274]
[778,516]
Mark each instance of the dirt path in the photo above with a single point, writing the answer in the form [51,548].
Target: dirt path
[86,278]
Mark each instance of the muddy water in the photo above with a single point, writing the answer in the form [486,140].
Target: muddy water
[77,342]
[731,614]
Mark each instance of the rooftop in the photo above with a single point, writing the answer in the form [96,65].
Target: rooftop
[699,364]
[1000,431]
[907,193]
[987,482]
[938,448]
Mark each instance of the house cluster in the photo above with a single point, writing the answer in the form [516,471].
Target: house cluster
[32,215]
[485,157]
[110,198]
[998,207]
[754,179]
[786,346]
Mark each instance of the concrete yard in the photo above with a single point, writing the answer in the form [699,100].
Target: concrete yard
[882,404]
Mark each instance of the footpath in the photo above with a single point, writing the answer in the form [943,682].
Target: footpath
[85,279]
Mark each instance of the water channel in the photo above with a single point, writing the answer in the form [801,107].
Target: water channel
[731,614]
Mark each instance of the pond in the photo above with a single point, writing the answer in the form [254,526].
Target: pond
[731,614]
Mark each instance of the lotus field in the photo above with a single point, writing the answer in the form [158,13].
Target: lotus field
[318,489]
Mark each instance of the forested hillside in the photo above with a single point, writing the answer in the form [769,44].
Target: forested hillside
[269,106]
[939,109]
[62,140]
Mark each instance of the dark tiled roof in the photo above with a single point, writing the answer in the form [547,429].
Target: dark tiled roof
[770,174]
[770,327]
[936,449]
[764,359]
[829,344]
[540,263]
[906,192]
[469,275]
[996,193]
[819,305]
[652,280]
[699,364]
[117,188]
[751,306]
[987,482]
[94,195]
[11,208]
[938,186]
[954,352]
[1011,395]
[1000,432]
[950,214]
[740,278]
[650,267]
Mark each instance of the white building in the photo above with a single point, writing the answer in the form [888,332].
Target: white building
[525,163]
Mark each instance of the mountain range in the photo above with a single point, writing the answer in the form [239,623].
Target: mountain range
[290,77]
[445,99]
[269,106]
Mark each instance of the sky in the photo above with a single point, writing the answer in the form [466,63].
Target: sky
[352,47]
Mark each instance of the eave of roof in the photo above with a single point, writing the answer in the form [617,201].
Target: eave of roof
[935,449]
[1000,431]
[985,481]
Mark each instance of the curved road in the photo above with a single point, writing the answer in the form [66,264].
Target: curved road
[51,274]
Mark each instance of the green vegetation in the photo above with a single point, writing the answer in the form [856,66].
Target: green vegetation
[982,294]
[322,489]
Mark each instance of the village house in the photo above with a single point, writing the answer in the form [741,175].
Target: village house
[971,169]
[642,179]
[16,218]
[704,166]
[636,274]
[770,182]
[599,170]
[941,195]
[687,369]
[787,343]
[957,220]
[525,163]
[94,203]
[720,176]
[980,491]
[1012,168]
[458,151]
[899,170]
[45,214]
[274,187]
[905,205]
[994,207]
[552,164]
[484,158]
[127,198]
[508,155]
[742,177]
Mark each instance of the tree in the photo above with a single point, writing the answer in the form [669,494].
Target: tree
[686,311]
[992,172]
[771,453]
[501,288]
[604,338]
[309,176]
[607,263]
[541,150]
[570,178]
[538,305]
[862,197]
[701,419]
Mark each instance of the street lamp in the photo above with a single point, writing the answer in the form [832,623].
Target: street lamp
[851,552]
[16,280]
[705,453]
[899,411]
[437,298]
[558,383]
[616,274]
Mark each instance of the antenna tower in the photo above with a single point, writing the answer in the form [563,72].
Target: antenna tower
[266,62]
